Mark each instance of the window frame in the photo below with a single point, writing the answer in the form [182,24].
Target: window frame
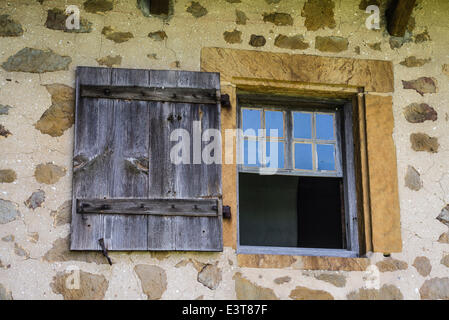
[345,157]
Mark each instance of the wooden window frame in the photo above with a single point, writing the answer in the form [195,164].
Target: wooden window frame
[345,167]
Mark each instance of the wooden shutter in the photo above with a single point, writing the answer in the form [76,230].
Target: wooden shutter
[125,188]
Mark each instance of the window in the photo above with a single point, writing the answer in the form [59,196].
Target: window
[296,177]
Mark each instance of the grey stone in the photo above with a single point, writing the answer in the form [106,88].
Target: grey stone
[196,9]
[153,280]
[443,217]
[5,294]
[435,288]
[210,276]
[413,179]
[9,27]
[4,109]
[36,61]
[35,200]
[8,211]
[240,17]
[418,113]
[423,266]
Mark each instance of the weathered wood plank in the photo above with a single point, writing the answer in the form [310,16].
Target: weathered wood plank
[398,16]
[187,95]
[169,207]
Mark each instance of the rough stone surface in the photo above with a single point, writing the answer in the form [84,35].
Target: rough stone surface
[319,14]
[375,46]
[444,237]
[337,280]
[49,173]
[91,286]
[4,132]
[412,62]
[257,41]
[282,280]
[278,18]
[5,294]
[445,260]
[116,36]
[110,61]
[56,20]
[390,264]
[196,9]
[153,280]
[35,200]
[331,44]
[60,252]
[422,37]
[20,251]
[63,214]
[210,276]
[417,113]
[8,238]
[33,237]
[303,293]
[422,85]
[423,142]
[36,61]
[386,292]
[234,36]
[443,217]
[291,42]
[98,6]
[240,17]
[4,109]
[158,35]
[435,288]
[8,211]
[9,27]
[246,290]
[7,176]
[413,179]
[422,265]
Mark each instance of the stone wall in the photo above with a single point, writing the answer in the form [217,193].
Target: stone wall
[38,56]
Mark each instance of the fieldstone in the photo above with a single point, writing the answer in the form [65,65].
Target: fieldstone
[422,85]
[282,280]
[319,14]
[337,280]
[444,237]
[4,132]
[5,294]
[110,61]
[158,35]
[4,109]
[8,211]
[357,49]
[365,3]
[445,69]
[49,173]
[422,265]
[8,238]
[33,237]
[116,36]
[398,42]
[35,200]
[60,252]
[7,176]
[240,17]
[36,61]
[422,37]
[62,215]
[417,113]
[331,44]
[196,264]
[386,292]
[423,142]
[303,293]
[98,6]
[412,62]
[390,265]
[278,18]
[435,288]
[153,280]
[257,41]
[445,260]
[246,290]
[413,179]
[443,217]
[291,42]
[91,286]
[234,36]
[210,276]
[375,46]
[9,27]
[56,20]
[21,252]
[196,9]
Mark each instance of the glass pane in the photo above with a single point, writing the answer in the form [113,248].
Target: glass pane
[275,156]
[274,120]
[324,126]
[303,156]
[302,125]
[251,120]
[251,153]
[326,158]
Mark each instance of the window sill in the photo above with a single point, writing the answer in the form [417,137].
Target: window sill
[340,253]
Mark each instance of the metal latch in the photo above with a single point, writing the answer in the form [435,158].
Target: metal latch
[105,251]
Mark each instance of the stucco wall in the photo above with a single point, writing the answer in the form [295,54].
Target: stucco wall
[36,139]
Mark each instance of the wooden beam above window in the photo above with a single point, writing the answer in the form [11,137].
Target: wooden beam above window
[398,16]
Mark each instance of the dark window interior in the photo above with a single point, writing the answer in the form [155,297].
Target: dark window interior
[159,7]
